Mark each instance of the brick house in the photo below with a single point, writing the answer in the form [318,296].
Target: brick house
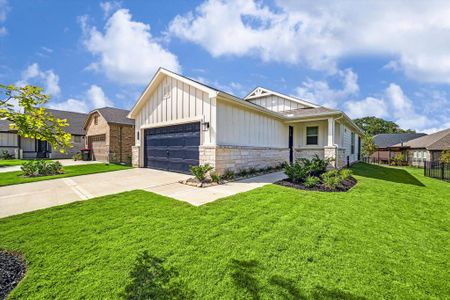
[110,134]
[385,145]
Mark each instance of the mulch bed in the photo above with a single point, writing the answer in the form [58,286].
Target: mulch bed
[343,187]
[12,270]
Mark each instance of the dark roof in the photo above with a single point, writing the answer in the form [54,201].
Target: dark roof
[76,121]
[390,139]
[115,115]
[307,112]
[436,141]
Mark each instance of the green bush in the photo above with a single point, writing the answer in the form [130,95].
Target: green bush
[331,179]
[243,173]
[312,181]
[346,173]
[445,157]
[215,177]
[35,168]
[252,171]
[228,174]
[4,154]
[398,160]
[316,166]
[296,172]
[77,156]
[200,171]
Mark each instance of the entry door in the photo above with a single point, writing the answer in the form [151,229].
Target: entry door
[41,149]
[172,148]
[291,144]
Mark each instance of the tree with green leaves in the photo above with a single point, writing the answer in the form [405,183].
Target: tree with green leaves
[24,108]
[374,126]
[368,145]
[445,156]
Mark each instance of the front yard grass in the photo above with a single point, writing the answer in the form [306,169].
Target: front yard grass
[388,237]
[10,162]
[16,177]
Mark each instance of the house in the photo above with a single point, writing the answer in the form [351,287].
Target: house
[181,122]
[426,148]
[29,148]
[385,142]
[110,134]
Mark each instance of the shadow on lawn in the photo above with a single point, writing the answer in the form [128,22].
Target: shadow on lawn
[385,173]
[244,276]
[150,279]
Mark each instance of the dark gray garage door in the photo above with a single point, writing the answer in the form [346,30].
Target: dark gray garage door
[172,148]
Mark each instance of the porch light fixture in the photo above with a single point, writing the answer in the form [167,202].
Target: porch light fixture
[205,126]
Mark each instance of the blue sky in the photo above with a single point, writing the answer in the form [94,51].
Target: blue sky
[364,57]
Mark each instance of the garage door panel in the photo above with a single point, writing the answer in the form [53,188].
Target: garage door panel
[173,148]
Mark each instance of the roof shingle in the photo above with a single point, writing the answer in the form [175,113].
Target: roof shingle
[115,115]
[385,140]
[437,141]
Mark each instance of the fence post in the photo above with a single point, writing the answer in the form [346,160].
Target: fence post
[425,169]
[442,171]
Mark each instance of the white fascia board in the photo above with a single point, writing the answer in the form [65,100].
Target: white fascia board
[269,92]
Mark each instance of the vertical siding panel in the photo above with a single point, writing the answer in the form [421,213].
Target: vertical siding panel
[185,100]
[179,99]
[191,101]
[212,118]
[199,104]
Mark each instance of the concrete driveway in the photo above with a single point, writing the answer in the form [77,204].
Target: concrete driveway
[20,198]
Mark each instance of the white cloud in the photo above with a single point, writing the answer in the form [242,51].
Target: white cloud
[127,53]
[49,79]
[319,33]
[94,97]
[70,105]
[319,91]
[4,9]
[368,106]
[109,6]
[97,97]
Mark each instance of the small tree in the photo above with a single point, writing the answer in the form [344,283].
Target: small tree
[445,156]
[23,107]
[368,145]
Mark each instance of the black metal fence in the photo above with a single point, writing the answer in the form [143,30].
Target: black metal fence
[437,169]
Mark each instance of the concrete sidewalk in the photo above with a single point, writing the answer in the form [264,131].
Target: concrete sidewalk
[64,162]
[20,198]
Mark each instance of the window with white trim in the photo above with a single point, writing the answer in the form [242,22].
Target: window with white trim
[312,135]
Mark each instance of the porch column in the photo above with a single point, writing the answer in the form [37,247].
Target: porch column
[330,150]
[331,132]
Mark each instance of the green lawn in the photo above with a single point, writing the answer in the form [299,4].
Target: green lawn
[9,178]
[386,238]
[10,162]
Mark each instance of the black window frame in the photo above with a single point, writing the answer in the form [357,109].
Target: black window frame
[312,139]
[352,143]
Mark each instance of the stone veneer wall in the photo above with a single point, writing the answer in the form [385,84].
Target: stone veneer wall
[308,153]
[135,156]
[120,143]
[237,157]
[341,159]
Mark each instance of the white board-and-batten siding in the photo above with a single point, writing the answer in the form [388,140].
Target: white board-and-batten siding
[175,102]
[238,126]
[276,103]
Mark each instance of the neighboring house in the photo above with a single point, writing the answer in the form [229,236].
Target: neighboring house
[181,122]
[110,134]
[385,142]
[29,148]
[426,148]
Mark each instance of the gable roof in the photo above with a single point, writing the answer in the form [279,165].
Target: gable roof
[75,119]
[436,141]
[113,115]
[310,112]
[385,140]
[260,92]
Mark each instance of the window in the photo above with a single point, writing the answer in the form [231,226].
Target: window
[352,147]
[312,135]
[137,135]
[76,138]
[95,120]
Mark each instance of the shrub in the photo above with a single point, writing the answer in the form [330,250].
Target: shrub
[4,154]
[252,171]
[77,156]
[35,168]
[296,172]
[200,171]
[215,177]
[228,174]
[346,173]
[398,160]
[331,179]
[316,166]
[445,156]
[268,169]
[243,173]
[311,181]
